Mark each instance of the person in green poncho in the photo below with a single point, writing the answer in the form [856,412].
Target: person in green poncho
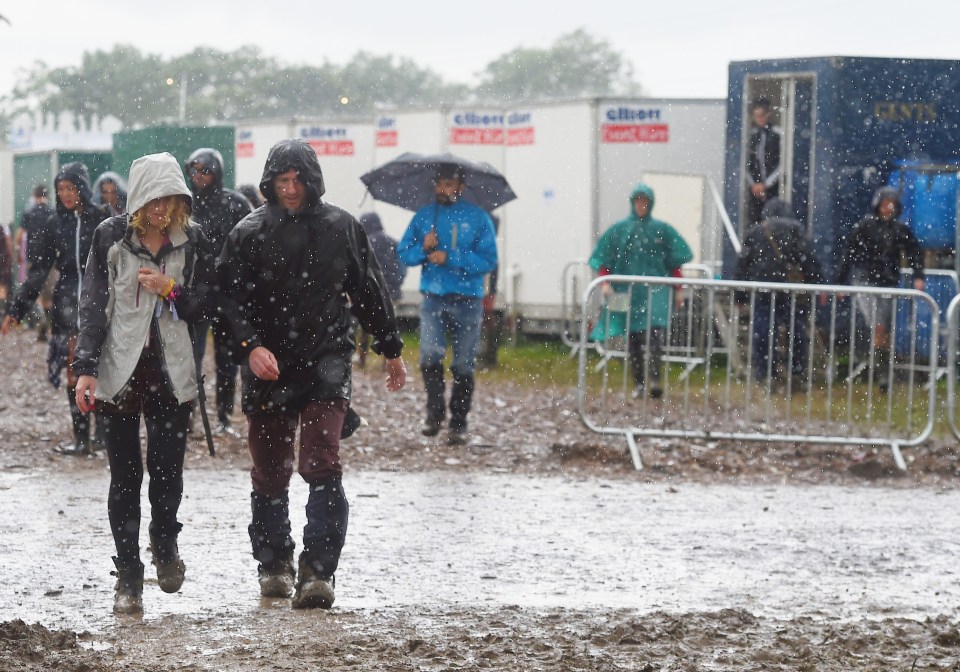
[642,245]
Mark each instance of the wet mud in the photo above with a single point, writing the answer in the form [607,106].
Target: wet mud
[537,546]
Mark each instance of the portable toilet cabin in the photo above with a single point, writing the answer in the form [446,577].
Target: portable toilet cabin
[847,125]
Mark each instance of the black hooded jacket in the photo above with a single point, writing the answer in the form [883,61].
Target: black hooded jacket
[216,209]
[63,241]
[385,249]
[874,246]
[764,261]
[290,281]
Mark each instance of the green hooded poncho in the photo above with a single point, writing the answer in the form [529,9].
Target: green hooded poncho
[635,246]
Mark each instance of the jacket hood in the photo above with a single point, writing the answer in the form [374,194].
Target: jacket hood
[370,221]
[209,158]
[645,191]
[883,193]
[116,179]
[299,156]
[154,176]
[77,173]
[777,208]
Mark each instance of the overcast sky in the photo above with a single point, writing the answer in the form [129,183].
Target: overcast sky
[678,49]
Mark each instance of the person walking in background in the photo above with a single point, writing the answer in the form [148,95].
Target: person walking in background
[455,243]
[763,159]
[291,274]
[394,271]
[643,245]
[872,258]
[148,276]
[217,210]
[770,250]
[32,219]
[63,243]
[111,190]
[252,194]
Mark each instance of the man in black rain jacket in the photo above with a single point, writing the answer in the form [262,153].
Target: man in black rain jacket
[217,210]
[292,272]
[63,241]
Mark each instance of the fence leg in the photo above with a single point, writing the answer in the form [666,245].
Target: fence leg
[634,451]
[898,457]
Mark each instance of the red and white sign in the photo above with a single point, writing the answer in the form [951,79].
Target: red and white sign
[476,136]
[632,133]
[387,138]
[244,150]
[520,136]
[332,147]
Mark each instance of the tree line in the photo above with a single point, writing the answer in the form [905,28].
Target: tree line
[244,85]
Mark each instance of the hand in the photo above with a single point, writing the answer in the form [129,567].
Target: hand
[396,374]
[263,364]
[430,241]
[822,299]
[438,257]
[8,322]
[86,389]
[606,290]
[919,284]
[153,281]
[758,191]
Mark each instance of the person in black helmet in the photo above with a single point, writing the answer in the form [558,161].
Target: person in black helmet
[217,210]
[293,274]
[872,259]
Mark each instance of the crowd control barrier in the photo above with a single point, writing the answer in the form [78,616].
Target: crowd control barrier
[747,361]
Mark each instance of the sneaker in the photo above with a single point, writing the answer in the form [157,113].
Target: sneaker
[431,427]
[457,435]
[225,428]
[128,598]
[276,578]
[170,568]
[313,591]
[73,449]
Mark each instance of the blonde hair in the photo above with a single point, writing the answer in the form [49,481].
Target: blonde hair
[177,215]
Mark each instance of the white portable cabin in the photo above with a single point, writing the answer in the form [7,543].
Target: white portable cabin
[344,149]
[572,165]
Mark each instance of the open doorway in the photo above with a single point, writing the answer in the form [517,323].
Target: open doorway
[783,157]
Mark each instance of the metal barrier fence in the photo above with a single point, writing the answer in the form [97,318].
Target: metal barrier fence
[796,363]
[953,331]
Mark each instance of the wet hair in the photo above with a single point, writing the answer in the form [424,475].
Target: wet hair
[449,171]
[761,103]
[40,191]
[178,214]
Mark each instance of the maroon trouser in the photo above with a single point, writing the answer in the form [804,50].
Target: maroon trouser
[271,442]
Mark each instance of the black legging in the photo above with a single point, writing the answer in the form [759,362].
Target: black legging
[166,422]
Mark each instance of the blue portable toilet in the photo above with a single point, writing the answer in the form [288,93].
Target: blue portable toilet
[929,192]
[847,124]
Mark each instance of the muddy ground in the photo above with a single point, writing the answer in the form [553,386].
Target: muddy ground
[534,433]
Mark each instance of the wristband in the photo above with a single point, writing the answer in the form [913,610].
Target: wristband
[166,293]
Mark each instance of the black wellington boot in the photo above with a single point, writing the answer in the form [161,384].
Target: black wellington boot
[436,405]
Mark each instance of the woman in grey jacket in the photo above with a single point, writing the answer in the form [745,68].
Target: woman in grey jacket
[147,276]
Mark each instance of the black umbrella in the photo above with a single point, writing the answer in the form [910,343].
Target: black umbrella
[408,181]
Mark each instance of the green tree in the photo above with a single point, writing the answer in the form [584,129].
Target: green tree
[577,64]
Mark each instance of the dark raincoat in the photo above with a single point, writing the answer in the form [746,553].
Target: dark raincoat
[63,241]
[874,246]
[216,209]
[291,280]
[385,249]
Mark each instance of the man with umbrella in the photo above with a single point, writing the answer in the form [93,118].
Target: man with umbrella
[455,243]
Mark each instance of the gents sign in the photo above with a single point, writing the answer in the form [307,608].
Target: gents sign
[623,124]
[328,140]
